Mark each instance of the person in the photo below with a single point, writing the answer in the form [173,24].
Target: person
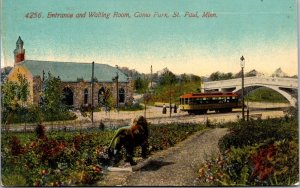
[175,108]
[40,131]
[164,109]
[101,125]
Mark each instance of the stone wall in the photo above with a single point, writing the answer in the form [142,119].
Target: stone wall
[78,91]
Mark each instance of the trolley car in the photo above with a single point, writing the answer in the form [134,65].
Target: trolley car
[200,103]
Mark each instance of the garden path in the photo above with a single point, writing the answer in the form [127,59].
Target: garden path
[176,166]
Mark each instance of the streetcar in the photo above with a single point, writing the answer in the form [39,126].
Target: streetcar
[200,103]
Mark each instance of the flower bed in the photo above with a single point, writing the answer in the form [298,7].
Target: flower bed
[257,153]
[71,158]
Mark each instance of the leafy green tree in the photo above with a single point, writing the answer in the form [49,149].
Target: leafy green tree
[9,90]
[14,93]
[215,76]
[52,96]
[168,78]
[195,78]
[140,84]
[23,88]
[4,72]
[108,99]
[14,97]
[220,76]
[184,78]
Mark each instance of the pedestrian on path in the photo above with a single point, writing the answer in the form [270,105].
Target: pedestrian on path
[164,109]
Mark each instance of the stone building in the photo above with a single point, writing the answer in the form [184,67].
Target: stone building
[76,78]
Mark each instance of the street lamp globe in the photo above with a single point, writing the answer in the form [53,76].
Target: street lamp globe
[242,62]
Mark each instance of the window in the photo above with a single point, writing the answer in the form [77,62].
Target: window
[67,96]
[186,101]
[121,95]
[101,96]
[86,96]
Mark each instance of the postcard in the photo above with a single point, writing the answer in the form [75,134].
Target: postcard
[149,93]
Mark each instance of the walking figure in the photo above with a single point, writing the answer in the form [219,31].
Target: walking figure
[164,109]
[175,108]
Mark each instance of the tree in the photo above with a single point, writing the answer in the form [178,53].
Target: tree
[184,78]
[167,78]
[4,72]
[52,95]
[14,93]
[23,88]
[9,90]
[140,84]
[195,78]
[215,76]
[220,76]
[14,97]
[108,100]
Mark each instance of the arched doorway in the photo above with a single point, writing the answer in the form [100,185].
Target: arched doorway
[101,96]
[68,97]
[121,95]
[85,96]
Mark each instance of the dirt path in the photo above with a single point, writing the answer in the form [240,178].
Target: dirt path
[177,166]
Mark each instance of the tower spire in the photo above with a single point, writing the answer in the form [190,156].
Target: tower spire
[19,41]
[19,52]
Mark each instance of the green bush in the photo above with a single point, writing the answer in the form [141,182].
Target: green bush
[256,153]
[259,131]
[13,180]
[260,165]
[32,114]
[133,107]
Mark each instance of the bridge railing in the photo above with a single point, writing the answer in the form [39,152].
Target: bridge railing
[275,81]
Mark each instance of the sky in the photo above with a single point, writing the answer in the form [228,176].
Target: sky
[263,31]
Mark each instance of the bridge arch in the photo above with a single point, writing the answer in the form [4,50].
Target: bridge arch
[285,94]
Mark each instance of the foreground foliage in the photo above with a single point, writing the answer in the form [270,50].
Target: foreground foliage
[71,158]
[16,108]
[256,153]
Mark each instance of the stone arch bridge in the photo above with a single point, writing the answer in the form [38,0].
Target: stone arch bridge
[288,87]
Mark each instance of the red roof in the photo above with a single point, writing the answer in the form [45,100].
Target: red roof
[208,95]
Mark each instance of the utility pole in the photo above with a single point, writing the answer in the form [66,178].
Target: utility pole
[170,104]
[151,79]
[92,81]
[117,80]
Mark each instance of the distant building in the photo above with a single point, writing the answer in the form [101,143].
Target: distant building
[76,78]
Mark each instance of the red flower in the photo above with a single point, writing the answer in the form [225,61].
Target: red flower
[44,172]
[97,169]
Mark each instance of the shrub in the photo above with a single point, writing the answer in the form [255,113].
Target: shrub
[13,180]
[259,131]
[256,153]
[269,164]
[72,158]
[133,107]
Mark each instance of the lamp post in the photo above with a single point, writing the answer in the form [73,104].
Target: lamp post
[243,101]
[92,82]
